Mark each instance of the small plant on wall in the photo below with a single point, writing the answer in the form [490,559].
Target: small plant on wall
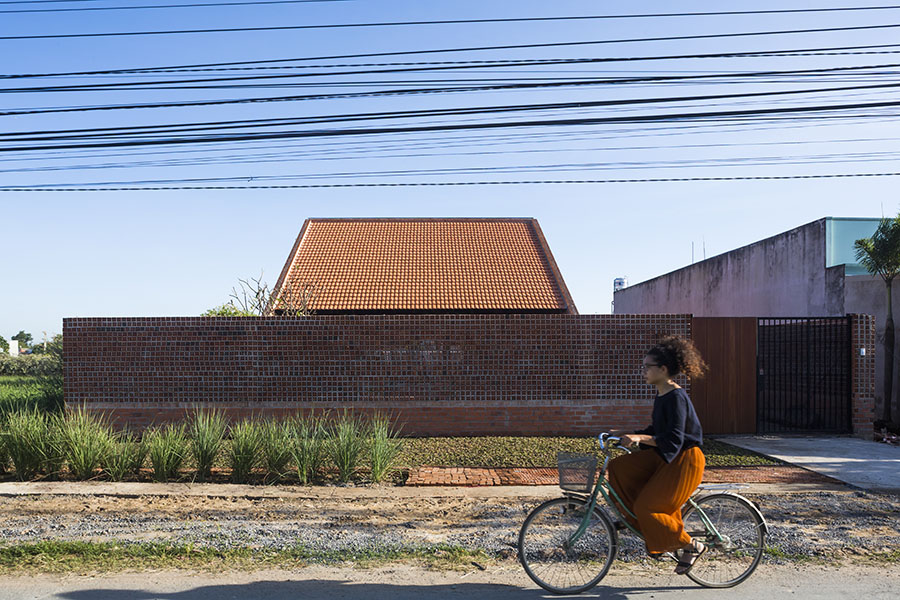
[256,299]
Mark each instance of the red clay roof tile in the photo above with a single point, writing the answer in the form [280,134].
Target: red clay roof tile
[427,264]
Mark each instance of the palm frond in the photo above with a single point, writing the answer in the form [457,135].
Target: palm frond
[880,254]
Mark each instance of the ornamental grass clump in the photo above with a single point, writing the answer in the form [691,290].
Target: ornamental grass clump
[276,441]
[308,448]
[126,457]
[86,441]
[4,455]
[384,446]
[246,444]
[31,439]
[207,433]
[167,447]
[346,443]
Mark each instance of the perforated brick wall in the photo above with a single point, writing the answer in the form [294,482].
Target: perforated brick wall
[863,384]
[525,374]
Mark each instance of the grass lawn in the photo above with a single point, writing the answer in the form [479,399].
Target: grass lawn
[539,452]
[54,556]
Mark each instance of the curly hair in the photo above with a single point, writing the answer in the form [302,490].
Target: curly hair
[679,355]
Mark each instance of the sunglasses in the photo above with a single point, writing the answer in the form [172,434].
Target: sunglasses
[644,367]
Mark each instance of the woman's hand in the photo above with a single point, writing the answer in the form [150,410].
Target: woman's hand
[631,439]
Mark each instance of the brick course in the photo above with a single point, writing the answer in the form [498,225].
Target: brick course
[527,374]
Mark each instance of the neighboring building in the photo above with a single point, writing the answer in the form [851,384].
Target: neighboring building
[809,271]
[426,265]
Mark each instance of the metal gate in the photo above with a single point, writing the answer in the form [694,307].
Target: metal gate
[803,375]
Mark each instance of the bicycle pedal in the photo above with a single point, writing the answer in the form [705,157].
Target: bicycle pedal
[664,556]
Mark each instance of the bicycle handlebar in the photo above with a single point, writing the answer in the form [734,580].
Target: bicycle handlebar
[605,439]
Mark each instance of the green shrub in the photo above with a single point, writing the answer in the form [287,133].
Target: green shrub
[308,448]
[32,440]
[246,443]
[346,444]
[384,446]
[167,447]
[30,365]
[276,448]
[126,457]
[86,441]
[227,310]
[207,432]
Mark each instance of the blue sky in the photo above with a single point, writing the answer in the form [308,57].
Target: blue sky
[180,252]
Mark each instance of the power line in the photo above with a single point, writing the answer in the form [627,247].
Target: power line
[447,22]
[657,118]
[183,83]
[627,16]
[96,8]
[394,92]
[140,130]
[757,53]
[449,183]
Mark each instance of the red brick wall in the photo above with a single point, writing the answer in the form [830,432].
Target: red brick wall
[538,374]
[863,385]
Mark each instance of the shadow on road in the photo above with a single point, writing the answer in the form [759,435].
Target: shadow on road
[333,590]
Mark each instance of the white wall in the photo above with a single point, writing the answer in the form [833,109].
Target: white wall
[781,276]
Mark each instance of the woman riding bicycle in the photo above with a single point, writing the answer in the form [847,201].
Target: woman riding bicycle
[656,481]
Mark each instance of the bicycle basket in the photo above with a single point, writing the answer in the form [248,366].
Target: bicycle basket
[576,471]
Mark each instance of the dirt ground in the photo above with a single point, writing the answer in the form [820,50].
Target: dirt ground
[808,524]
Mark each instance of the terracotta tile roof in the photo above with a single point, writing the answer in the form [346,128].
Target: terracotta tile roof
[427,264]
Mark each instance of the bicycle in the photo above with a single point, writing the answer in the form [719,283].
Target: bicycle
[567,545]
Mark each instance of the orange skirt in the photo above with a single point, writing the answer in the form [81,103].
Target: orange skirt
[654,491]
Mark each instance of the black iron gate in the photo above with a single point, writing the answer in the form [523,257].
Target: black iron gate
[803,375]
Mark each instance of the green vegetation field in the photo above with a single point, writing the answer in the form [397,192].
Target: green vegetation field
[21,391]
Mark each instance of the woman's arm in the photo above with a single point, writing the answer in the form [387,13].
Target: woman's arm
[671,439]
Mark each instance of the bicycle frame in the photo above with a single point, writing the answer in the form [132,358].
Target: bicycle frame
[603,487]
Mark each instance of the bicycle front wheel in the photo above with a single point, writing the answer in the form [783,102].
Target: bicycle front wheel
[735,553]
[554,564]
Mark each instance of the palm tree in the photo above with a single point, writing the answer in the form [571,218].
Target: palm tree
[881,254]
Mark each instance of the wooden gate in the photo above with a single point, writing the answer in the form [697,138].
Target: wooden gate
[725,400]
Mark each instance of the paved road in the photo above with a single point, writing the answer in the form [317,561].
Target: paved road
[410,583]
[866,464]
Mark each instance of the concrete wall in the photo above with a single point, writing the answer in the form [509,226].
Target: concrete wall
[783,275]
[868,294]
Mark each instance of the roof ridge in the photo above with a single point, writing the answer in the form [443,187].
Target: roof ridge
[420,219]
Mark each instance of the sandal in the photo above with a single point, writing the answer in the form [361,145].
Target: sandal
[698,549]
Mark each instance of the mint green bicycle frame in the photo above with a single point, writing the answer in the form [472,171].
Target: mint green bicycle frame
[603,487]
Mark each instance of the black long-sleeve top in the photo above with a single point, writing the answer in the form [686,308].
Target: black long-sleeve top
[675,424]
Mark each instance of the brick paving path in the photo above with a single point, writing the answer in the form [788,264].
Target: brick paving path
[481,476]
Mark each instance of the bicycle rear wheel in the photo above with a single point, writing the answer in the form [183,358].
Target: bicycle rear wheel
[732,559]
[545,556]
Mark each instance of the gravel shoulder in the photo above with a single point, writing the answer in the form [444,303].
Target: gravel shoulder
[848,525]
